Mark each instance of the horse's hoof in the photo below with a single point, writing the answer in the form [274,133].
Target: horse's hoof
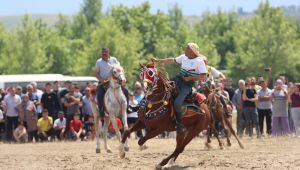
[158,167]
[208,146]
[172,162]
[122,155]
[242,146]
[222,147]
[228,144]
[108,151]
[143,147]
[126,149]
[97,150]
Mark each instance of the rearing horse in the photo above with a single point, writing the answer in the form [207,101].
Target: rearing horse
[156,114]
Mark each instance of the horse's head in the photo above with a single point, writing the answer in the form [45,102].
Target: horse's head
[149,76]
[117,75]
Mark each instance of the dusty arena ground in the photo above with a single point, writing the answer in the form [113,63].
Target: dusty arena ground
[266,153]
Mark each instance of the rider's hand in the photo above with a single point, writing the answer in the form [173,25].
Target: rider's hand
[155,60]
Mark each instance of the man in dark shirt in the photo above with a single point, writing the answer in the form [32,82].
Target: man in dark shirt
[62,94]
[249,107]
[50,101]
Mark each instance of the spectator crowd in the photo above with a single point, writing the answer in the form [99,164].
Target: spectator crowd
[57,113]
[54,113]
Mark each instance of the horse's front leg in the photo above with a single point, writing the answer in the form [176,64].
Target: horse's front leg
[105,131]
[97,128]
[150,134]
[137,126]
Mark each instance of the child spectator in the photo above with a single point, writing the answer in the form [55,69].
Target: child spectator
[76,129]
[45,126]
[60,126]
[20,133]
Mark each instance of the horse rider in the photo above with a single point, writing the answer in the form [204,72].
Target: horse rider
[193,69]
[212,73]
[103,68]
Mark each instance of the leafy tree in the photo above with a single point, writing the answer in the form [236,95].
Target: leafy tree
[267,39]
[25,52]
[217,27]
[123,45]
[91,10]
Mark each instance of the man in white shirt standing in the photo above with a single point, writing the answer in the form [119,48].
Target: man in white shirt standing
[192,70]
[11,102]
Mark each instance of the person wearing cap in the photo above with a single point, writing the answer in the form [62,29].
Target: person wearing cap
[264,107]
[59,125]
[193,69]
[44,125]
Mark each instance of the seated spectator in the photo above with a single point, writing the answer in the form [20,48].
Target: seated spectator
[45,126]
[90,128]
[76,129]
[59,126]
[20,133]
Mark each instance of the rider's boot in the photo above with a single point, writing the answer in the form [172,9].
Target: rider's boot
[179,125]
[101,112]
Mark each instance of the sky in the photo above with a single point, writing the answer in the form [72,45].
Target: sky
[189,7]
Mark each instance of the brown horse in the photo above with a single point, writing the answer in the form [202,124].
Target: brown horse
[156,114]
[218,115]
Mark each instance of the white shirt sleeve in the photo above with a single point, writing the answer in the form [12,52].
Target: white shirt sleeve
[201,68]
[55,123]
[179,59]
[215,72]
[116,61]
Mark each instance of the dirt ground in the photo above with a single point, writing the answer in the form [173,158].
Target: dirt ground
[265,153]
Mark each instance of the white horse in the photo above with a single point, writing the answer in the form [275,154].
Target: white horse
[115,104]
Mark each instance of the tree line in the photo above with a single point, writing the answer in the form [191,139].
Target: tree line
[243,46]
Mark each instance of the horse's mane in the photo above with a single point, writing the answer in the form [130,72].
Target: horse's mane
[168,85]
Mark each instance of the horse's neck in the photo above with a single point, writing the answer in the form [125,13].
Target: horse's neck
[159,91]
[114,85]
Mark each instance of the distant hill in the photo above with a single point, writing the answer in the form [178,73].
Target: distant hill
[10,22]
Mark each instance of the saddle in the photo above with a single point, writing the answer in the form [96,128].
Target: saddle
[192,101]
